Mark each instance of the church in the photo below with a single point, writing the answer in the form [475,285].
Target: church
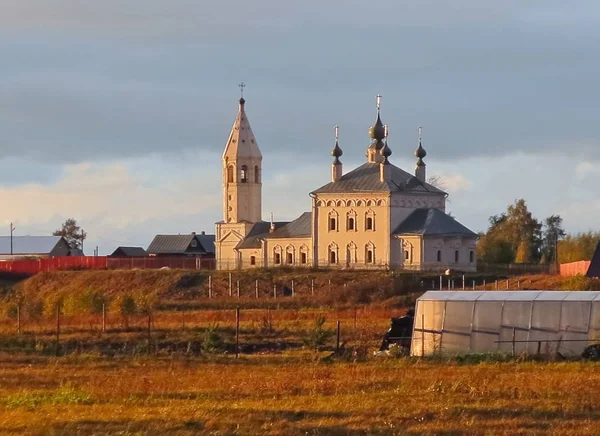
[376,216]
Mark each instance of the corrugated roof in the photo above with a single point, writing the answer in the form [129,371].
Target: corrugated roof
[431,222]
[207,242]
[131,251]
[259,230]
[174,244]
[23,245]
[299,228]
[510,296]
[366,178]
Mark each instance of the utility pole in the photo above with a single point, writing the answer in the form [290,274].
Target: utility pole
[12,229]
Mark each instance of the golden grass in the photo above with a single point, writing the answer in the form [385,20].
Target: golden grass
[294,395]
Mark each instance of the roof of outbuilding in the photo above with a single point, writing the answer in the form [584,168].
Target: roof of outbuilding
[259,230]
[23,245]
[431,222]
[207,242]
[178,244]
[131,251]
[299,228]
[366,178]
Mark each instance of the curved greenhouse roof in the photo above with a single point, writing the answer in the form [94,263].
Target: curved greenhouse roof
[510,296]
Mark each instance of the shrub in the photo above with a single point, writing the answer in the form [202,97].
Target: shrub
[581,283]
[34,308]
[212,342]
[88,302]
[319,335]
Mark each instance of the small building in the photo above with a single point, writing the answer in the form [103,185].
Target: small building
[33,246]
[194,245]
[129,252]
[547,322]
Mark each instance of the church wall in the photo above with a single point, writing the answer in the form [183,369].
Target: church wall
[403,204]
[352,245]
[227,237]
[296,247]
[246,260]
[412,252]
[448,246]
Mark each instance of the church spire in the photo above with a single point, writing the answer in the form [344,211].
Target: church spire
[336,166]
[420,153]
[377,134]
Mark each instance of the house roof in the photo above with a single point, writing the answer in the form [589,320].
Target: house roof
[23,245]
[299,228]
[366,178]
[178,244]
[431,222]
[131,251]
[259,230]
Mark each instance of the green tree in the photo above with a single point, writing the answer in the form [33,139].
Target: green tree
[72,232]
[553,232]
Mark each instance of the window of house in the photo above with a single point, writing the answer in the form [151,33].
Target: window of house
[252,260]
[230,174]
[406,255]
[332,257]
[256,174]
[471,256]
[277,258]
[369,223]
[244,174]
[439,255]
[455,256]
[350,223]
[303,258]
[332,223]
[369,256]
[290,258]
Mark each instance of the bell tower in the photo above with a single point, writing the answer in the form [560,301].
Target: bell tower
[242,172]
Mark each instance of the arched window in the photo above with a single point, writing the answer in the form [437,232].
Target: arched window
[455,256]
[370,256]
[370,220]
[277,255]
[290,258]
[332,257]
[351,223]
[370,253]
[333,221]
[230,174]
[244,174]
[333,251]
[406,255]
[369,224]
[471,256]
[256,174]
[303,259]
[439,255]
[277,258]
[351,253]
[303,254]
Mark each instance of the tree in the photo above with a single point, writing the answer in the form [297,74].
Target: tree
[553,232]
[73,233]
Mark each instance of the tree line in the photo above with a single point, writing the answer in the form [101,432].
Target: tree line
[516,236]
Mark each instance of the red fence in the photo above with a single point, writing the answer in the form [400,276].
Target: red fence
[574,268]
[30,267]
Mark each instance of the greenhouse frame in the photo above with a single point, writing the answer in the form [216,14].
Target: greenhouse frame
[534,322]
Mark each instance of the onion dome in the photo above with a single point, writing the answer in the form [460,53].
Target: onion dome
[386,152]
[420,151]
[242,101]
[337,151]
[377,130]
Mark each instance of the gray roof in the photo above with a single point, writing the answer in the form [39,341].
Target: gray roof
[259,230]
[299,228]
[430,222]
[130,251]
[366,178]
[180,244]
[23,245]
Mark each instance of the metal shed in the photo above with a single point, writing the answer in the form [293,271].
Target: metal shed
[459,322]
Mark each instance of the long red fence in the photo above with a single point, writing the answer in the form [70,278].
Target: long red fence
[34,266]
[574,268]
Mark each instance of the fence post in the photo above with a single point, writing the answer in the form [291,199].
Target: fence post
[496,284]
[292,288]
[237,332]
[18,319]
[238,288]
[514,333]
[507,283]
[484,284]
[103,317]
[230,290]
[329,285]
[256,289]
[275,291]
[473,284]
[312,287]
[57,328]
[449,285]
[423,335]
[209,286]
[441,283]
[539,350]
[337,345]
[518,284]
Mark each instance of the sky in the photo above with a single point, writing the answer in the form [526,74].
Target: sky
[117,112]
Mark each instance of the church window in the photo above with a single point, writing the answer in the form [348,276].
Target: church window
[332,256]
[471,256]
[252,260]
[277,258]
[244,174]
[370,253]
[439,255]
[406,255]
[290,258]
[370,256]
[303,258]
[256,174]
[230,174]
[456,256]
[331,223]
[350,223]
[369,224]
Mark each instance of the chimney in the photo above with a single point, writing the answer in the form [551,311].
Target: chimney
[203,232]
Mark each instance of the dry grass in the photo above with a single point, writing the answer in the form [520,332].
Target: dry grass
[293,395]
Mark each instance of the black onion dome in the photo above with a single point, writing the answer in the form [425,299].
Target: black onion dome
[242,101]
[386,151]
[337,151]
[377,131]
[420,152]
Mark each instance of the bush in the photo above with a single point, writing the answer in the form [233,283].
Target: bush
[581,283]
[319,335]
[88,302]
[212,342]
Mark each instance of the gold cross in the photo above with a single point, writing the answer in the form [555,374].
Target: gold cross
[242,86]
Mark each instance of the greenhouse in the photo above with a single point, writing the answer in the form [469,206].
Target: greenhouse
[542,322]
